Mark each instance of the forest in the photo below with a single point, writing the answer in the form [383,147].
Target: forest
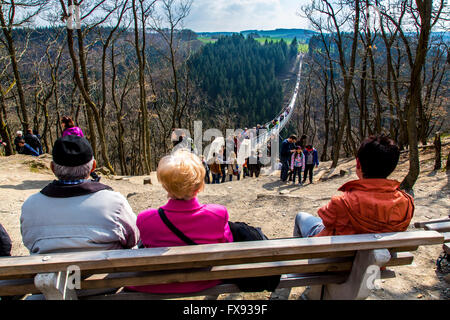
[242,74]
[132,74]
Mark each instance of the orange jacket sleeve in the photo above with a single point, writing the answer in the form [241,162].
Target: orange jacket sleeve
[329,215]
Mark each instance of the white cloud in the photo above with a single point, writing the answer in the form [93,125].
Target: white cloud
[238,15]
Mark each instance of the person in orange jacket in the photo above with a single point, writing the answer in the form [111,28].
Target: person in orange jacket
[371,204]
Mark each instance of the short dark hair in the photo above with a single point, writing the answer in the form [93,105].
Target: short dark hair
[378,156]
[293,137]
[68,122]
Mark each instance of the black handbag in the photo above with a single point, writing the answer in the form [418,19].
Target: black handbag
[241,232]
[244,232]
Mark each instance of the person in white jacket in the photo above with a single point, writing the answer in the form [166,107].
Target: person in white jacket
[74,213]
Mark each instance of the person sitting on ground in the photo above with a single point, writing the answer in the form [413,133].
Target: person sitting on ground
[26,149]
[19,136]
[33,141]
[37,135]
[182,175]
[3,146]
[371,204]
[298,165]
[73,213]
[311,160]
[5,243]
[69,128]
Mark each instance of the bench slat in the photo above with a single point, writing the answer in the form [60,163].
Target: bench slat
[403,249]
[446,237]
[287,281]
[438,226]
[209,254]
[230,272]
[422,224]
[400,259]
[220,272]
[17,287]
[24,286]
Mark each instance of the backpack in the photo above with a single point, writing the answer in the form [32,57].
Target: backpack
[5,243]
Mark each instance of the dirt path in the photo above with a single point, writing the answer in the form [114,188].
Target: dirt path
[262,202]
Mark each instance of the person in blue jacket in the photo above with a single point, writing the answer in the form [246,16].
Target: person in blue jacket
[25,148]
[311,160]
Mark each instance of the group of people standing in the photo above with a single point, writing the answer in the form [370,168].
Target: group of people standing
[217,168]
[296,158]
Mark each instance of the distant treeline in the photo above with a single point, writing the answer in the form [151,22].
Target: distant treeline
[242,74]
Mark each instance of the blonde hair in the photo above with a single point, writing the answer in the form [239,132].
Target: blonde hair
[181,174]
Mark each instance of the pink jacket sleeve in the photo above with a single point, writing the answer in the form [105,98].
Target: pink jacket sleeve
[227,235]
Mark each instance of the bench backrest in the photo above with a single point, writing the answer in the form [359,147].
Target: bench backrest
[222,261]
[154,259]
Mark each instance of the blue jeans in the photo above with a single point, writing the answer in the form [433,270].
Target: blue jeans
[307,225]
[284,169]
[215,178]
[297,172]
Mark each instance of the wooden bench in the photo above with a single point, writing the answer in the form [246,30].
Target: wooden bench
[439,225]
[339,267]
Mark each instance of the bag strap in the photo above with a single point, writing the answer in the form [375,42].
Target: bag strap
[174,229]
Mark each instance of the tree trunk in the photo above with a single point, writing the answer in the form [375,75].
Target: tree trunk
[415,94]
[4,130]
[140,55]
[12,56]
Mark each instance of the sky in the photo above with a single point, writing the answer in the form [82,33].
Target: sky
[239,15]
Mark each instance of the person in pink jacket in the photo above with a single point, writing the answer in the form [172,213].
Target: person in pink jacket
[69,128]
[182,176]
[298,164]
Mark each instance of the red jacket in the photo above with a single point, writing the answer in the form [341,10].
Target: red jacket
[367,206]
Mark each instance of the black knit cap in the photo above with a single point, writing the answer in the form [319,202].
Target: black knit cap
[72,151]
